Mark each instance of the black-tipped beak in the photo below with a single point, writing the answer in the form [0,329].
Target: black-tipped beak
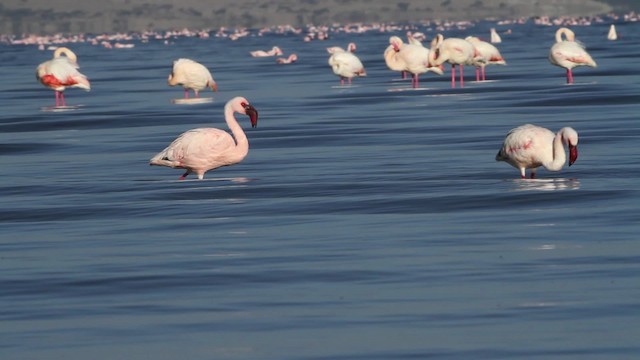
[573,154]
[252,113]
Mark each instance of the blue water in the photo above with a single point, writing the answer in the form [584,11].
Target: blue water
[367,222]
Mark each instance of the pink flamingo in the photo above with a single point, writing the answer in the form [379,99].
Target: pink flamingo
[192,76]
[414,57]
[454,51]
[275,51]
[529,146]
[204,149]
[291,59]
[351,47]
[60,73]
[346,65]
[485,54]
[569,53]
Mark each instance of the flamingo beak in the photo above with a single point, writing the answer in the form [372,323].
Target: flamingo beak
[253,114]
[214,86]
[573,154]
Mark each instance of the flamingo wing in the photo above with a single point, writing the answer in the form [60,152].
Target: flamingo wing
[198,149]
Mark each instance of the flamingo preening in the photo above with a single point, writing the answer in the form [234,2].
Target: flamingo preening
[62,72]
[455,51]
[192,76]
[569,53]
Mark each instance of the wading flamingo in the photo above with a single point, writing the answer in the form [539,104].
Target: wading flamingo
[414,57]
[192,76]
[204,149]
[455,51]
[291,59]
[569,53]
[275,51]
[529,146]
[485,54]
[346,65]
[60,73]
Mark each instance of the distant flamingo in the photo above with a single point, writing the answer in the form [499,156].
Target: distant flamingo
[204,149]
[612,35]
[351,47]
[291,59]
[192,76]
[569,53]
[414,57]
[275,51]
[495,38]
[346,65]
[455,51]
[485,54]
[529,146]
[62,72]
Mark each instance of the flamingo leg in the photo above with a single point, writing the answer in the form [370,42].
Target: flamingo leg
[404,75]
[484,75]
[453,76]
[186,93]
[183,176]
[415,81]
[57,98]
[197,93]
[477,73]
[461,76]
[569,76]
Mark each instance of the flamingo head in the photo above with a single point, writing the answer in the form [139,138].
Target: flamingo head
[570,136]
[573,154]
[213,85]
[251,112]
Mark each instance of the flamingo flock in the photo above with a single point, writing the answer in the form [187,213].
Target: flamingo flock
[198,151]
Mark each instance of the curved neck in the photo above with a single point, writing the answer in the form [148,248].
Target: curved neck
[392,60]
[242,144]
[559,156]
[67,52]
[566,32]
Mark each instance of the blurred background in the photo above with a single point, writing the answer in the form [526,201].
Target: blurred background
[72,16]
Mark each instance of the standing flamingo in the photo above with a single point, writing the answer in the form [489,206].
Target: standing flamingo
[62,72]
[495,38]
[204,149]
[569,53]
[454,51]
[346,65]
[529,146]
[414,57]
[613,34]
[485,54]
[192,76]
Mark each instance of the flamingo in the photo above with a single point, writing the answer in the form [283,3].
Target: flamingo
[192,76]
[529,146]
[291,59]
[612,35]
[275,51]
[569,53]
[495,38]
[351,47]
[414,57]
[204,149]
[62,72]
[485,54]
[455,51]
[346,65]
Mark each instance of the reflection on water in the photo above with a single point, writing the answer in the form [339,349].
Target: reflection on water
[545,184]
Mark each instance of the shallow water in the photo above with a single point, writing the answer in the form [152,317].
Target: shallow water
[368,221]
